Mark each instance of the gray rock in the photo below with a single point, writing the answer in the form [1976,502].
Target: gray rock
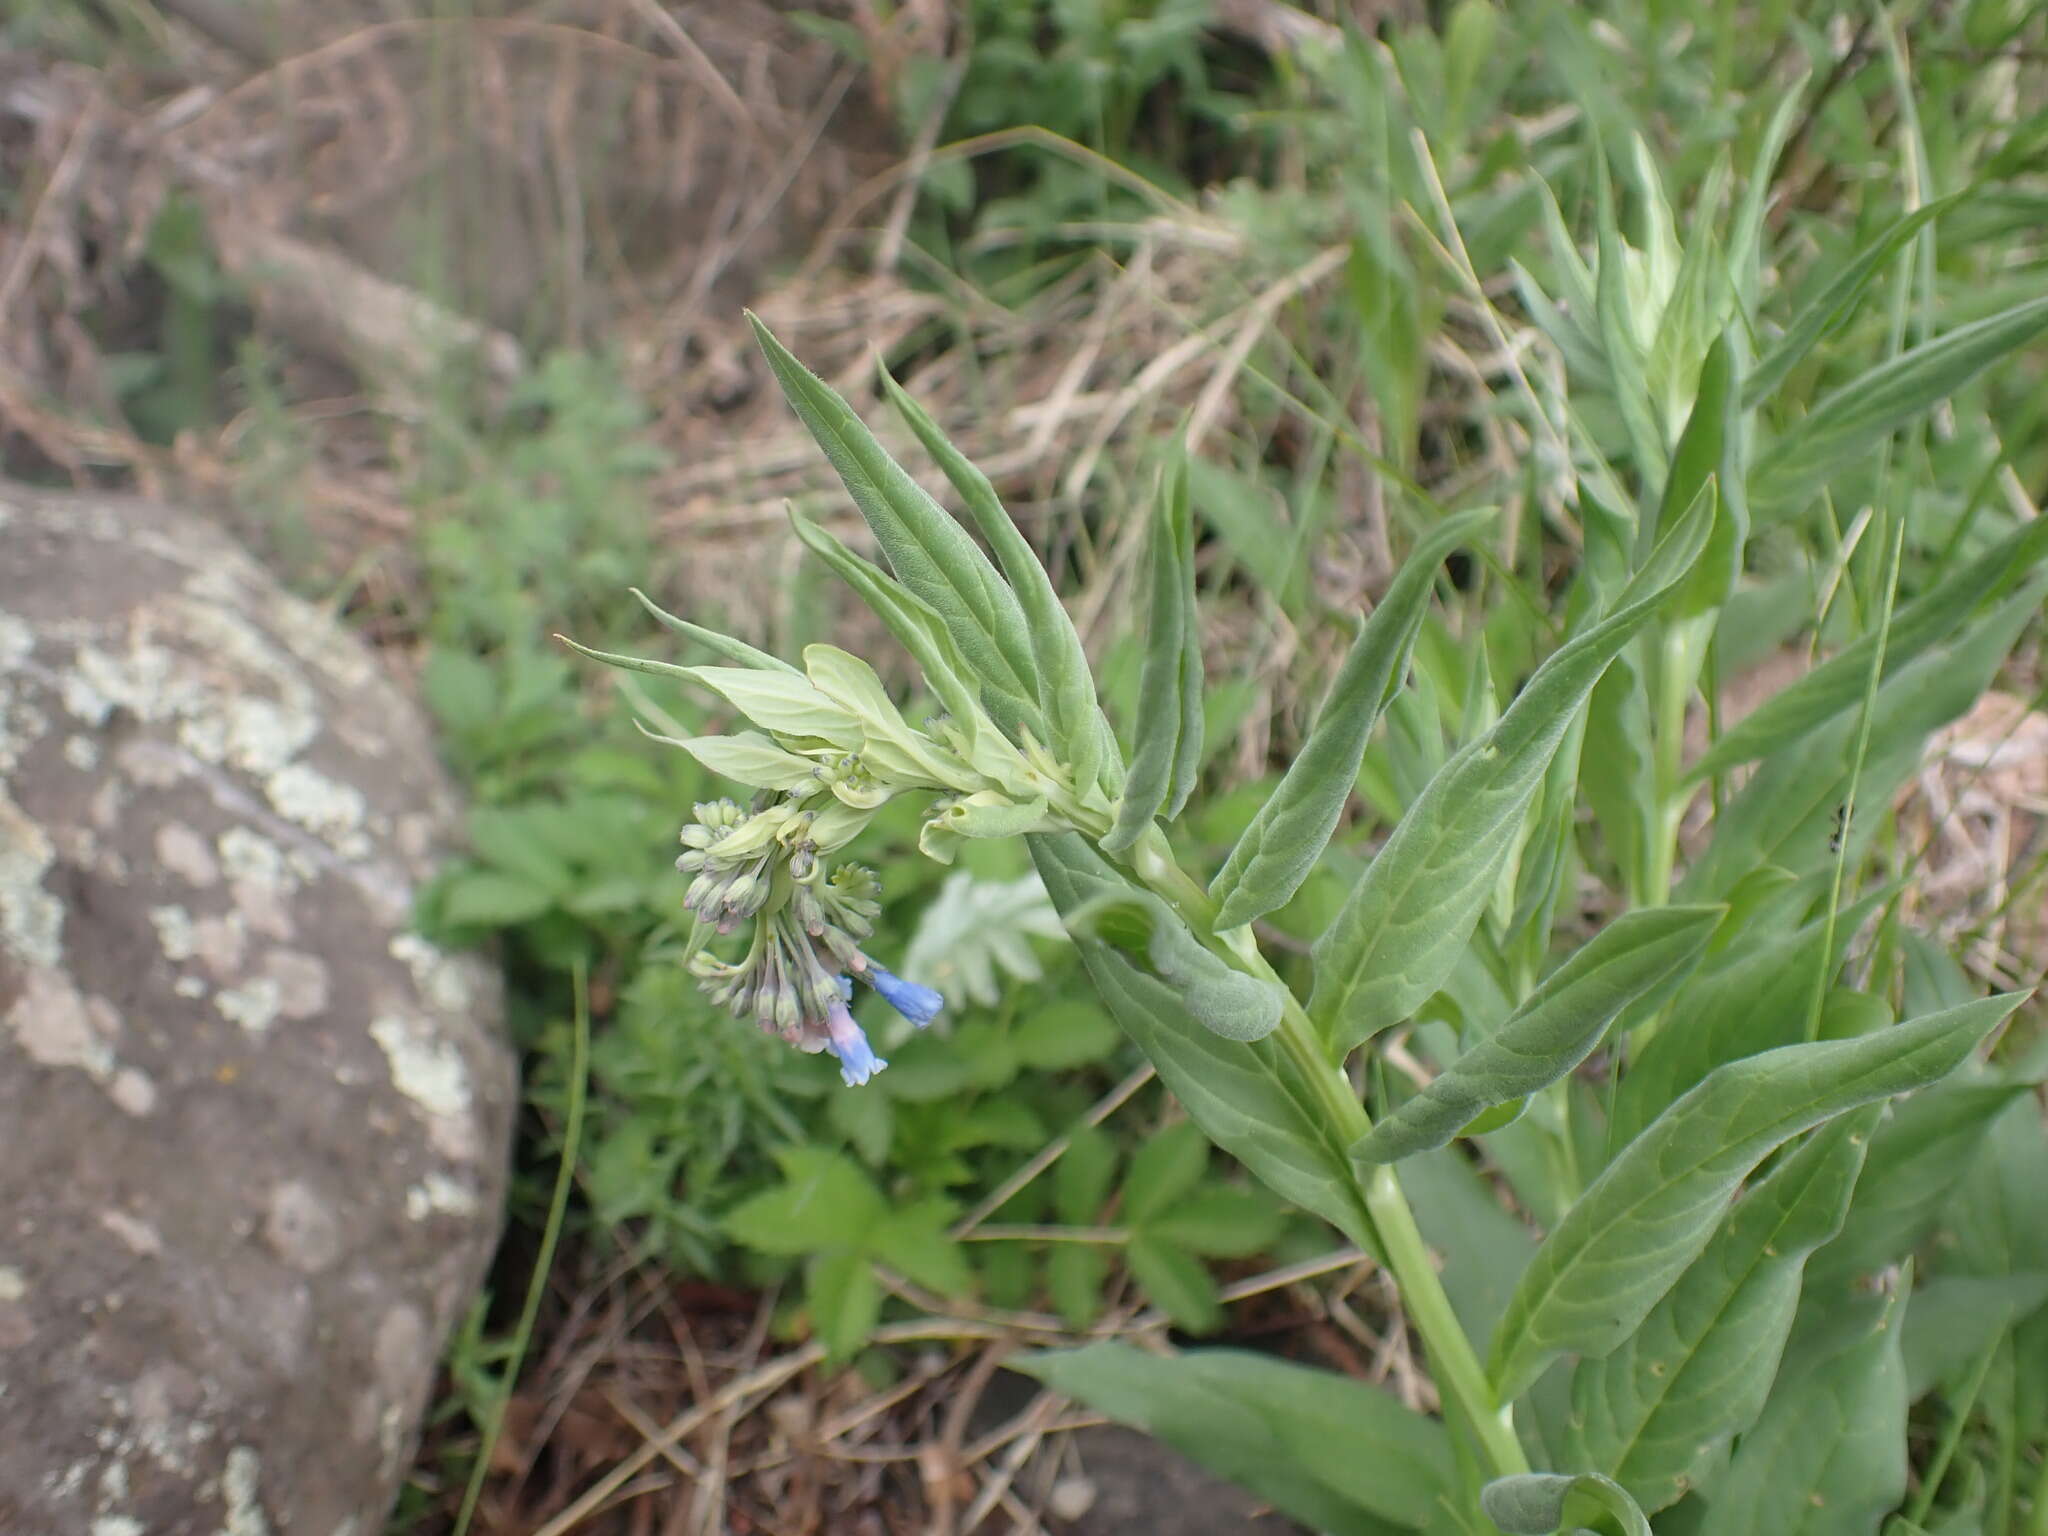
[254,1130]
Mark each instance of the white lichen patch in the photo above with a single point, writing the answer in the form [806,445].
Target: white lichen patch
[443,981]
[186,854]
[59,1027]
[254,1004]
[243,1514]
[301,982]
[12,1286]
[17,641]
[82,753]
[22,725]
[262,736]
[190,986]
[132,1091]
[438,1192]
[31,919]
[117,1525]
[174,932]
[330,810]
[431,1073]
[141,682]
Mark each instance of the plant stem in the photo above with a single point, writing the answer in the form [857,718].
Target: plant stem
[1454,1363]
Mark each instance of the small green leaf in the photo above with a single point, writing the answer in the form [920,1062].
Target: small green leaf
[1251,1099]
[1167,1166]
[1290,831]
[845,1301]
[826,1201]
[1659,1412]
[912,1238]
[1064,1035]
[1829,1452]
[1177,1282]
[1537,1503]
[1556,1029]
[1165,758]
[486,900]
[1075,1274]
[1842,429]
[1342,1455]
[1082,1179]
[929,551]
[1406,922]
[1706,451]
[1221,1223]
[1648,1215]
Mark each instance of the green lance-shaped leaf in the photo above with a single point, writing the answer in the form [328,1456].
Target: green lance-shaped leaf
[1659,1412]
[1250,1098]
[929,551]
[1832,306]
[1838,683]
[1648,1215]
[1706,451]
[1407,920]
[1626,363]
[1917,1158]
[1343,1455]
[1066,683]
[735,651]
[1843,428]
[1537,1503]
[1164,758]
[1828,1454]
[1750,999]
[1556,1029]
[1187,752]
[913,621]
[1290,831]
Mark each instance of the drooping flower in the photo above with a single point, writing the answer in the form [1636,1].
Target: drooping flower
[857,1059]
[916,1002]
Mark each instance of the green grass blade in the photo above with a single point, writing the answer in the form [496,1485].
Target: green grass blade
[931,553]
[1834,303]
[1839,681]
[1556,1029]
[1289,832]
[1658,1414]
[1407,920]
[1844,428]
[1620,1248]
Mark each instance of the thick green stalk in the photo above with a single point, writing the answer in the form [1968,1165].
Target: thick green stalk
[1460,1376]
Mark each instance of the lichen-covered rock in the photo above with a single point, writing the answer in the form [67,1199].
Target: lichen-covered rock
[254,1131]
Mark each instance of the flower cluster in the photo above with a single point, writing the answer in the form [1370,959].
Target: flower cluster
[796,978]
[830,749]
